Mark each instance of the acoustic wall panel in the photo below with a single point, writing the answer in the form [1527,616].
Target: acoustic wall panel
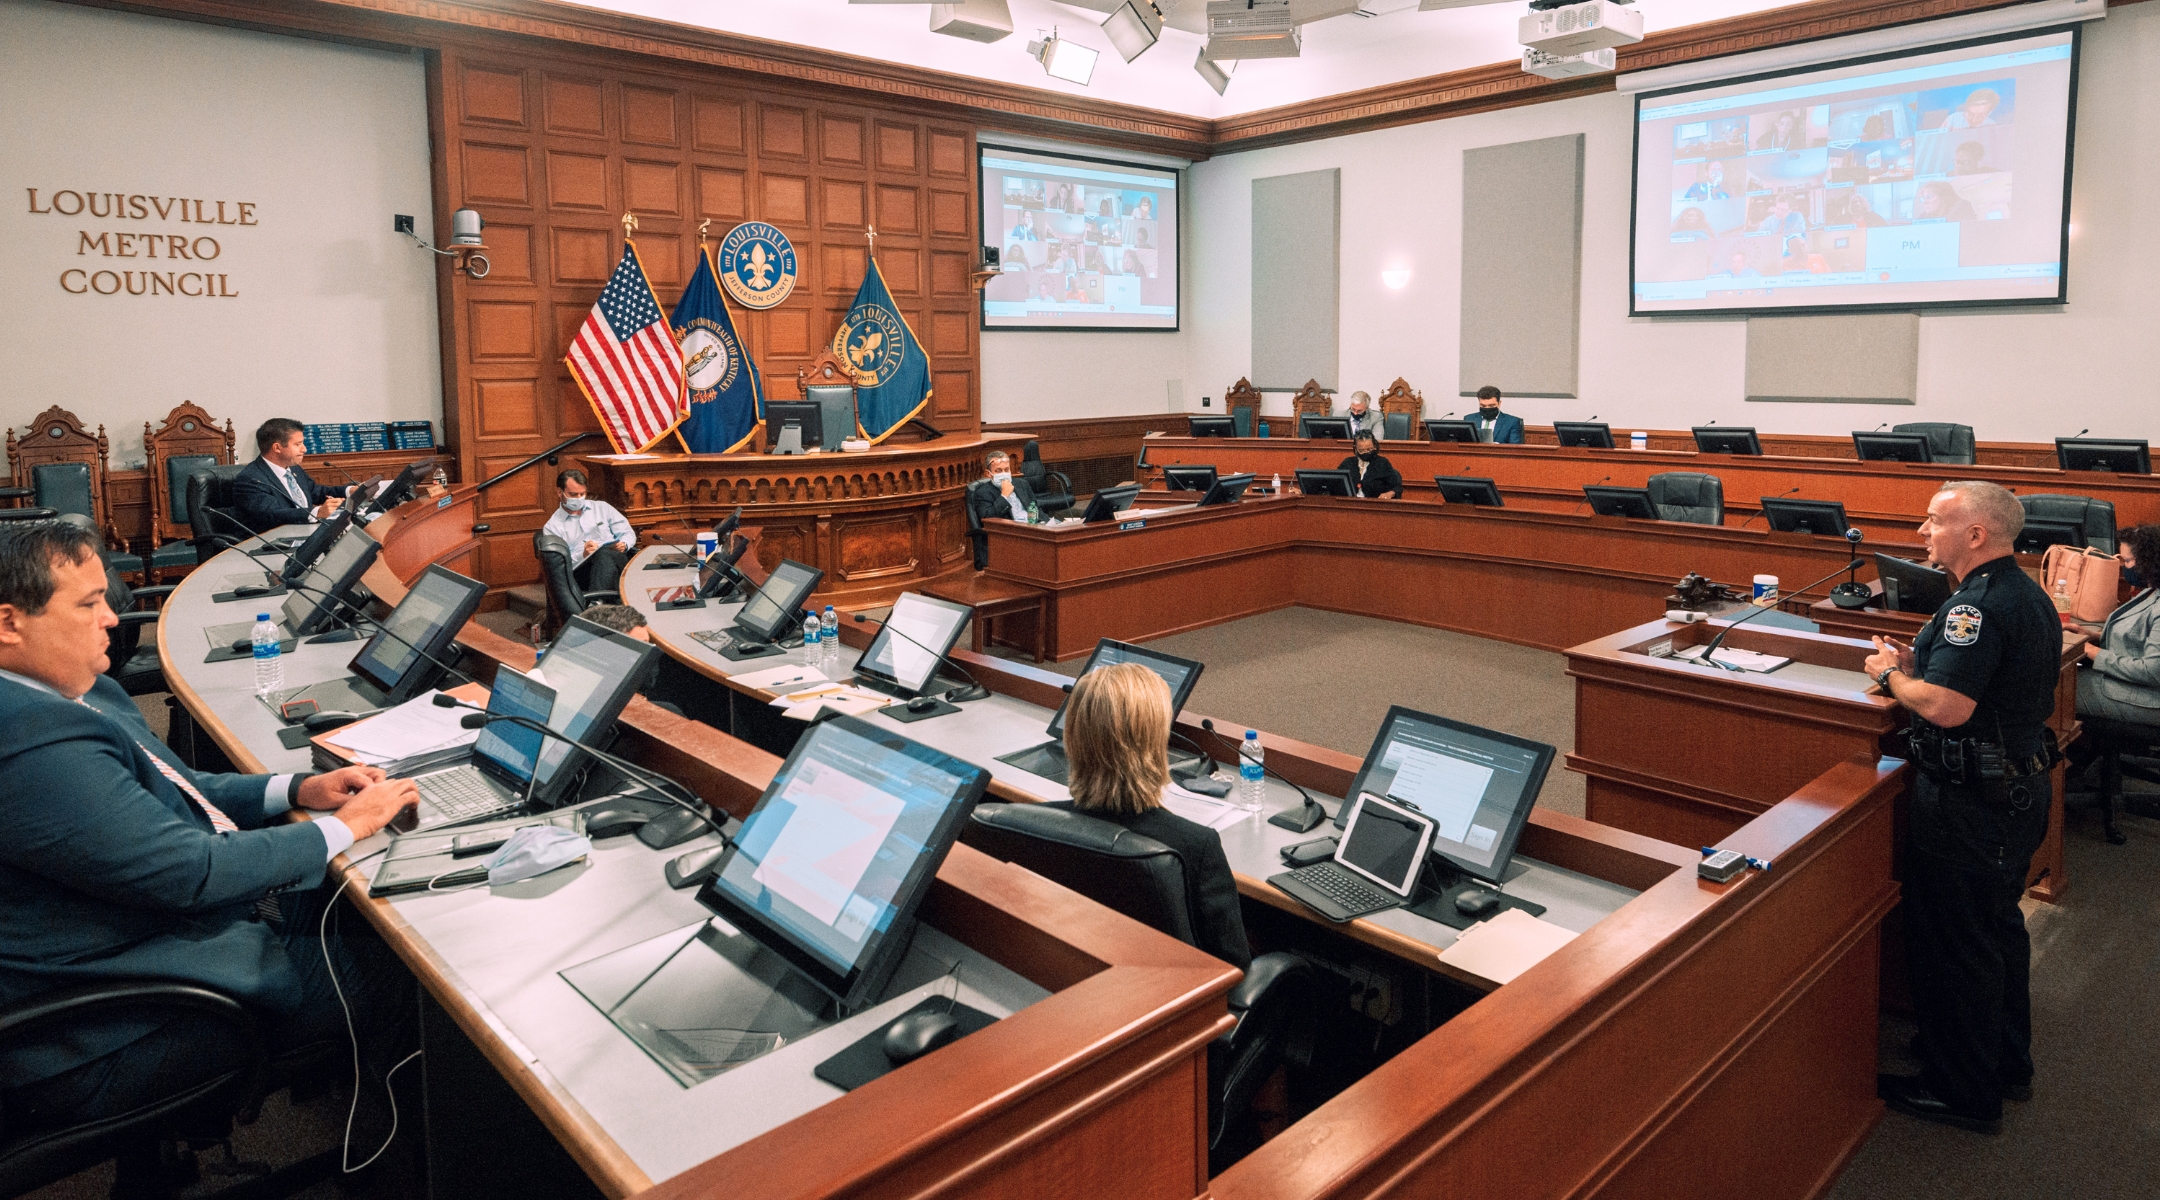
[1522,267]
[1850,358]
[1296,279]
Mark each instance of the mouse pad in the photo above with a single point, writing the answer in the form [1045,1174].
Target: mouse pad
[865,1060]
[1440,905]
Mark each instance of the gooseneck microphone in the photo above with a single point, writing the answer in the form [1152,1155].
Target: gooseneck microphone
[959,695]
[1299,820]
[1763,513]
[1710,650]
[1586,496]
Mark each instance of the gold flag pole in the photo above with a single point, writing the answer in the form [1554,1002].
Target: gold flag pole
[702,226]
[629,225]
[871,236]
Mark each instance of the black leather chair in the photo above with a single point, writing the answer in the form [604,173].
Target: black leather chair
[210,510]
[1051,500]
[131,658]
[978,540]
[1688,496]
[565,598]
[1948,442]
[1241,419]
[179,468]
[1395,427]
[2112,740]
[1145,880]
[2095,517]
[71,488]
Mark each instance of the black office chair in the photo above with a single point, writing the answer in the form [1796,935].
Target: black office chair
[1948,442]
[2095,517]
[978,540]
[1688,496]
[1050,500]
[2112,740]
[1145,880]
[565,598]
[211,512]
[132,659]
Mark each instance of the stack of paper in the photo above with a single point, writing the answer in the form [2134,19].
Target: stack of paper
[1204,810]
[1746,660]
[412,728]
[1505,946]
[843,698]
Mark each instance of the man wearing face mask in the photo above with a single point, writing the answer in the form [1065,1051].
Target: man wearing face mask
[998,495]
[1491,424]
[1376,478]
[1362,417]
[599,537]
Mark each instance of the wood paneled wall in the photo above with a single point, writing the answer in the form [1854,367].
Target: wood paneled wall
[552,151]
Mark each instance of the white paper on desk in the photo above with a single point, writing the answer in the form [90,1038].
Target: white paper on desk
[1505,946]
[793,677]
[1746,660]
[414,727]
[845,704]
[1203,810]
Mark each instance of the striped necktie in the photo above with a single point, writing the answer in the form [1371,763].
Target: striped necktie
[218,820]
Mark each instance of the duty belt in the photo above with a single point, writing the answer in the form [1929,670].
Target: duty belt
[1972,760]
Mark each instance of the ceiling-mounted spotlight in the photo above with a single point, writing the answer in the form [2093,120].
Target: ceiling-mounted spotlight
[1134,27]
[1212,71]
[975,20]
[1064,60]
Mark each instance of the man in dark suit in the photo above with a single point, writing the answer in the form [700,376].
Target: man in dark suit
[1376,477]
[273,490]
[998,495]
[1491,424]
[119,862]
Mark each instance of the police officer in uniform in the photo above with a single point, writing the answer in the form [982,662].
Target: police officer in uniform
[1979,681]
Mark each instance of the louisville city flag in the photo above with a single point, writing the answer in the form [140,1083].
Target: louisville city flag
[727,401]
[892,376]
[626,361]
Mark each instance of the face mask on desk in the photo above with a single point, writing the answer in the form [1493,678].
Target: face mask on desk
[535,850]
[573,504]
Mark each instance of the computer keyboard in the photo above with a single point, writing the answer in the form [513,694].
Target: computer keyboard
[1337,883]
[461,793]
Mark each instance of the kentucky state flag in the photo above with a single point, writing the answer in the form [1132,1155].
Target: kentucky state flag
[892,376]
[727,401]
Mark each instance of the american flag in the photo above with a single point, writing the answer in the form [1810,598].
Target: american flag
[626,360]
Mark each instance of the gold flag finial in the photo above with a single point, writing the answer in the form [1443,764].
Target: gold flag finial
[871,235]
[629,225]
[702,226]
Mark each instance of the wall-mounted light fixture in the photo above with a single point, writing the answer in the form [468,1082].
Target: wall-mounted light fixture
[467,249]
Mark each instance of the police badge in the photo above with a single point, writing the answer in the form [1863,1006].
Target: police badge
[1961,625]
[757,265]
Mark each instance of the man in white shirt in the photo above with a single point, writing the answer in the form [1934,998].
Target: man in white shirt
[599,537]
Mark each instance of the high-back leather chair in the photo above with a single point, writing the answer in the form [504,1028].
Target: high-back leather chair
[63,465]
[1688,496]
[836,411]
[1395,427]
[1047,498]
[1145,880]
[186,442]
[2095,517]
[208,495]
[1241,419]
[1948,442]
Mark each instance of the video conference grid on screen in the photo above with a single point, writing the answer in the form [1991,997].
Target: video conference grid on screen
[1081,243]
[1888,182]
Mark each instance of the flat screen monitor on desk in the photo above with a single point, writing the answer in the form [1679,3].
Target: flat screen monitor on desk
[1478,784]
[594,672]
[1468,489]
[1442,429]
[903,658]
[1587,435]
[1823,517]
[402,488]
[1620,502]
[718,576]
[769,613]
[1188,478]
[2124,456]
[1227,489]
[1324,427]
[832,863]
[1048,758]
[1211,426]
[1892,447]
[805,417]
[1721,439]
[324,596]
[309,551]
[1911,587]
[1106,504]
[1325,483]
[396,660]
[2039,534]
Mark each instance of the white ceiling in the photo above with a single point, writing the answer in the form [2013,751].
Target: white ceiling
[1341,54]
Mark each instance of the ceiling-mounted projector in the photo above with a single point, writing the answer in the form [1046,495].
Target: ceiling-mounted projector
[1566,66]
[1250,29]
[1576,28]
[975,20]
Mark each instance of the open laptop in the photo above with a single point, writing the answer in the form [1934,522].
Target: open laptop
[387,670]
[1376,863]
[1048,759]
[496,775]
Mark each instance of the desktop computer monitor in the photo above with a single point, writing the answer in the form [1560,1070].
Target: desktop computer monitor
[1211,426]
[1478,784]
[1892,447]
[717,575]
[1188,479]
[1722,439]
[1822,517]
[1621,502]
[1180,673]
[1443,429]
[397,660]
[1909,586]
[1227,489]
[2124,456]
[806,416]
[1587,435]
[1106,504]
[831,865]
[1324,427]
[905,665]
[594,671]
[1326,483]
[2039,534]
[776,605]
[402,488]
[326,532]
[1467,489]
[324,595]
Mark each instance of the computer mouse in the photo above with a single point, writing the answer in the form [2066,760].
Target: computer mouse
[610,820]
[917,1034]
[923,704]
[242,646]
[671,828]
[753,647]
[966,693]
[323,722]
[251,589]
[694,868]
[1476,902]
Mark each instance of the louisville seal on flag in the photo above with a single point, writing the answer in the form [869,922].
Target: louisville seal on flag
[892,375]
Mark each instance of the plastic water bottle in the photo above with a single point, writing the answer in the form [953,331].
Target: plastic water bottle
[1034,514]
[1275,489]
[269,668]
[810,636]
[829,639]
[1252,777]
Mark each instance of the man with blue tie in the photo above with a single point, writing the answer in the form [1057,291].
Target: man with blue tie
[273,490]
[1491,424]
[120,862]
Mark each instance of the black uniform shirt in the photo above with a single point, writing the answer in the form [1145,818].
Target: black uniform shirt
[1998,641]
[1378,478]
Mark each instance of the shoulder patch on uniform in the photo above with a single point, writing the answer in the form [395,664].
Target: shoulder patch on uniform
[1961,625]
